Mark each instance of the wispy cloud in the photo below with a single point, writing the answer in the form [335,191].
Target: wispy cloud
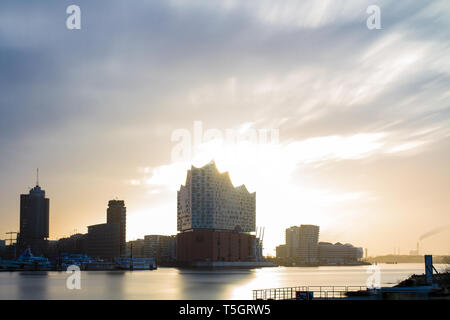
[350,104]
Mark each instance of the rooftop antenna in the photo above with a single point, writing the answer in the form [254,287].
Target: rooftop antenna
[37,177]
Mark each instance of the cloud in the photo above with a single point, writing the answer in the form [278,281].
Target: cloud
[103,101]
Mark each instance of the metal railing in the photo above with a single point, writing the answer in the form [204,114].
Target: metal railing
[319,292]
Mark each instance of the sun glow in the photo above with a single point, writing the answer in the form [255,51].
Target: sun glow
[269,169]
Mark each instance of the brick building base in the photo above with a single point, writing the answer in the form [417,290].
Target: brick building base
[214,246]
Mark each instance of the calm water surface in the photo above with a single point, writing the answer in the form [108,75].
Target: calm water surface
[172,283]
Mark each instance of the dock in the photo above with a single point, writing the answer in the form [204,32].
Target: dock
[306,292]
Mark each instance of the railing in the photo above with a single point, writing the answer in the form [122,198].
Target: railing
[319,292]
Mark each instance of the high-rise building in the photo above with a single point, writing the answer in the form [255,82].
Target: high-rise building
[308,241]
[34,221]
[209,200]
[103,240]
[302,244]
[108,240]
[215,218]
[117,213]
[292,239]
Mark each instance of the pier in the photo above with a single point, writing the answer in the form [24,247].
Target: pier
[308,292]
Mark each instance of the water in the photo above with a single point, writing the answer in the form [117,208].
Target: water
[172,283]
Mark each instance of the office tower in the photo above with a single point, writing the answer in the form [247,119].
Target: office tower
[34,221]
[308,244]
[214,218]
[108,240]
[292,239]
[116,213]
[302,244]
[103,240]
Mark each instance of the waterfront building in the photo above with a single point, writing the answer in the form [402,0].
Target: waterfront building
[292,239]
[214,218]
[117,213]
[281,251]
[339,253]
[209,200]
[2,248]
[34,221]
[302,244]
[75,244]
[160,247]
[308,244]
[103,240]
[136,248]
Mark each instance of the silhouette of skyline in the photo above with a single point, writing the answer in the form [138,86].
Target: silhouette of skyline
[363,115]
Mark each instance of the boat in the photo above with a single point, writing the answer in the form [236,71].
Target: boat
[128,263]
[27,261]
[80,260]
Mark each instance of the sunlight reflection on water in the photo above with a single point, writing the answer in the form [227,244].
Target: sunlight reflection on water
[172,283]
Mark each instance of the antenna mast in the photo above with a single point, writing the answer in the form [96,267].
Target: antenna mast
[37,177]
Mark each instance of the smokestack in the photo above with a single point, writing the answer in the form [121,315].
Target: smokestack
[418,248]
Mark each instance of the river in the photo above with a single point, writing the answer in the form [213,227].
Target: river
[172,283]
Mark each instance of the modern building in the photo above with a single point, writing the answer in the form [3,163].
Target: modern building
[75,244]
[308,242]
[108,240]
[209,200]
[339,253]
[292,238]
[117,213]
[160,247]
[103,240]
[281,251]
[302,244]
[214,218]
[136,248]
[34,221]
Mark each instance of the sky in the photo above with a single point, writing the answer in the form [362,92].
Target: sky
[328,121]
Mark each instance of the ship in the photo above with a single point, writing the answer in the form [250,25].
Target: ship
[80,260]
[129,263]
[27,261]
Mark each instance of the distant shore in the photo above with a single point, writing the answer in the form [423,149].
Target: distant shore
[406,259]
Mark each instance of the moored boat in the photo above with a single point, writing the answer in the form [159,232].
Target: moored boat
[27,261]
[127,263]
